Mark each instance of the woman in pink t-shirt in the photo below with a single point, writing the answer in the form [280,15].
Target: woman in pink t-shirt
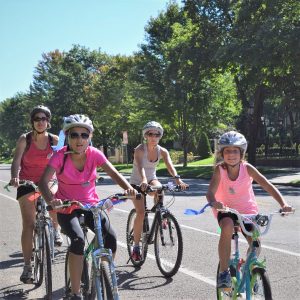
[231,186]
[75,166]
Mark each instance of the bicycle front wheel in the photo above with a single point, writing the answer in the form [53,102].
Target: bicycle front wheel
[130,240]
[260,284]
[38,258]
[168,245]
[47,263]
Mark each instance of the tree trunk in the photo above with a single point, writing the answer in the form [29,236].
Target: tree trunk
[254,123]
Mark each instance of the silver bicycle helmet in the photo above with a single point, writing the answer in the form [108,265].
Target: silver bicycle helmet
[232,138]
[77,121]
[42,109]
[152,125]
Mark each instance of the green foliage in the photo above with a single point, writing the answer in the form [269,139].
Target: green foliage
[204,149]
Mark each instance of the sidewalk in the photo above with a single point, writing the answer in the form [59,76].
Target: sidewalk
[285,178]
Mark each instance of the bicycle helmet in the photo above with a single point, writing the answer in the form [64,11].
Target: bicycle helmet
[232,138]
[152,125]
[42,109]
[77,121]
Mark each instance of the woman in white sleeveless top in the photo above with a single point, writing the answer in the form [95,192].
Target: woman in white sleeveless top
[146,159]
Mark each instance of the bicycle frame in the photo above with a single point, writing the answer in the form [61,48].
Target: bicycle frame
[99,252]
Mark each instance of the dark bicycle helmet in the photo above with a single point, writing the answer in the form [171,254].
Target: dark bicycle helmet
[42,109]
[77,121]
[152,125]
[232,138]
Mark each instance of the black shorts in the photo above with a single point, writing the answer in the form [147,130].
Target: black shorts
[71,227]
[24,190]
[234,218]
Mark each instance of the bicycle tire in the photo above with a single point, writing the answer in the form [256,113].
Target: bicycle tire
[260,283]
[106,281]
[168,245]
[130,240]
[223,294]
[84,279]
[47,263]
[38,258]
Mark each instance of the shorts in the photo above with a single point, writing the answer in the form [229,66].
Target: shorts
[24,190]
[234,218]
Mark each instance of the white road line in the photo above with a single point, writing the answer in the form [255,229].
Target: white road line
[181,269]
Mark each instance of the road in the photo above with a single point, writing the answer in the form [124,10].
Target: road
[195,279]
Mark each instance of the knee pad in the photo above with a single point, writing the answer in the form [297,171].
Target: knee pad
[77,246]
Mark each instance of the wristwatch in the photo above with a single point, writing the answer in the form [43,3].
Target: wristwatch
[177,176]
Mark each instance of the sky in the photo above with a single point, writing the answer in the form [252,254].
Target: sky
[29,28]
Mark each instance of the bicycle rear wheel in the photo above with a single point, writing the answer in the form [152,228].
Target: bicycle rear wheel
[130,240]
[47,263]
[260,284]
[168,245]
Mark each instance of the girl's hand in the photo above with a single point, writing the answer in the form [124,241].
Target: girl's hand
[287,208]
[217,205]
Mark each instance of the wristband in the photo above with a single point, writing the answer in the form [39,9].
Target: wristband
[177,177]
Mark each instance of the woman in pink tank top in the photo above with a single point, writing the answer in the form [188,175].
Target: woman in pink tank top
[32,154]
[231,186]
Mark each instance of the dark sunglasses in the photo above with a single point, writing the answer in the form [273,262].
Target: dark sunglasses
[75,135]
[154,134]
[43,119]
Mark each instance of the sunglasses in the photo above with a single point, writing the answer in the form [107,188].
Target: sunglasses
[43,119]
[75,135]
[153,134]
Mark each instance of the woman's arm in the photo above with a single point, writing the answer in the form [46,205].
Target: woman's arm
[170,167]
[20,147]
[44,184]
[266,185]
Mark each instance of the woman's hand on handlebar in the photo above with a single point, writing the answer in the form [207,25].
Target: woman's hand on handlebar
[144,186]
[56,203]
[14,182]
[131,193]
[182,185]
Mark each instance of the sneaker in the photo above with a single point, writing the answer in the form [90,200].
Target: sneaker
[26,276]
[76,297]
[224,280]
[58,240]
[136,254]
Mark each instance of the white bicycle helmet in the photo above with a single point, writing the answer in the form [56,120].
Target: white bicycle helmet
[42,109]
[232,138]
[77,121]
[152,125]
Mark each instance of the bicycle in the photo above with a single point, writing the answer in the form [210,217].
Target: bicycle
[248,276]
[43,242]
[164,233]
[98,279]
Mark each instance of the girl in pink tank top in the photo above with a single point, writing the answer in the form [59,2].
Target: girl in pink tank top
[231,186]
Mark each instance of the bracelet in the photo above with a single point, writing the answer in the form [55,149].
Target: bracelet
[177,176]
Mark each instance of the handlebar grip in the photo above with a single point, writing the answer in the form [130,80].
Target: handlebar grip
[49,208]
[138,196]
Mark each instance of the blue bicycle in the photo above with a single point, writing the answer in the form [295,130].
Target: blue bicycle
[98,280]
[249,277]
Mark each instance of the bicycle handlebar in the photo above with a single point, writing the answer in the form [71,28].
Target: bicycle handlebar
[258,220]
[114,199]
[164,187]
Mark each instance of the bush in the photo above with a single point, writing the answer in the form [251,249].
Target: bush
[204,149]
[177,156]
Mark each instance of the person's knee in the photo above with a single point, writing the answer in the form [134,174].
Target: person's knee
[77,246]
